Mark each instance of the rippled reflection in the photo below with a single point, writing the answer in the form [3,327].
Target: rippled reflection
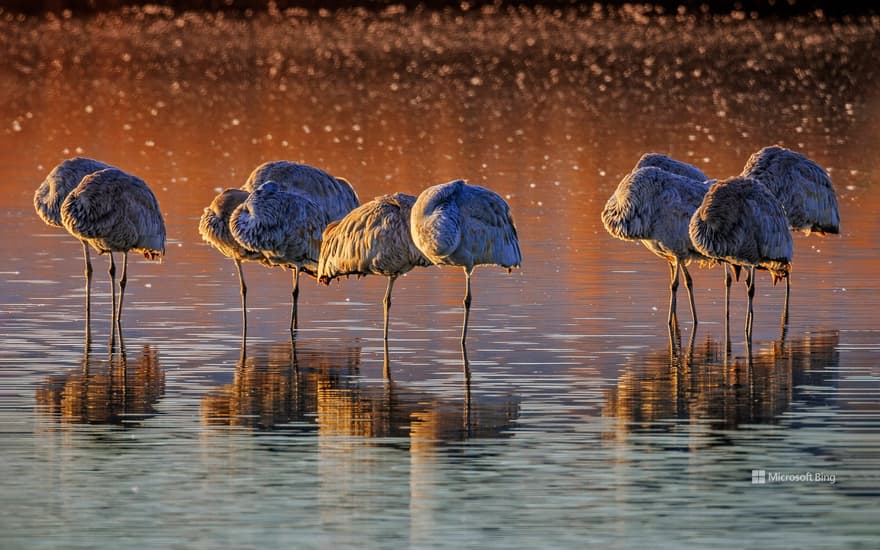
[275,385]
[702,383]
[113,389]
[298,387]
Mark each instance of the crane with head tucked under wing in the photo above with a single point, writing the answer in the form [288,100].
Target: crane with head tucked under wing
[740,222]
[804,189]
[374,238]
[654,206]
[113,211]
[465,225]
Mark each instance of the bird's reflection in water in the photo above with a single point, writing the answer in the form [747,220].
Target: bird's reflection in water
[703,384]
[275,386]
[299,387]
[107,389]
[317,390]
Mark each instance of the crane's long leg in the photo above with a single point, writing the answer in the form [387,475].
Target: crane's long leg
[293,312]
[386,361]
[783,329]
[785,304]
[467,302]
[123,279]
[88,271]
[242,350]
[689,285]
[242,289]
[112,271]
[728,281]
[690,349]
[387,302]
[750,283]
[673,289]
[674,337]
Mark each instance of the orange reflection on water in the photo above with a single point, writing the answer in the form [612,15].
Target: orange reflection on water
[117,390]
[705,385]
[286,384]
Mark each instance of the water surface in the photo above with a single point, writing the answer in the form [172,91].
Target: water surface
[583,423]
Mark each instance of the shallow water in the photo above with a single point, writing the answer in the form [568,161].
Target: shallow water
[583,423]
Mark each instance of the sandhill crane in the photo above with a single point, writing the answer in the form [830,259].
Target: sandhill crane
[804,189]
[654,206]
[465,225]
[669,164]
[214,229]
[50,196]
[680,168]
[335,196]
[285,228]
[114,211]
[741,222]
[373,238]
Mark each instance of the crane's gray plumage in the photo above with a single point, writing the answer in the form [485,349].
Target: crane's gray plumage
[50,195]
[214,226]
[374,238]
[671,165]
[465,225]
[654,207]
[335,196]
[741,222]
[284,227]
[114,211]
[214,229]
[801,185]
[59,183]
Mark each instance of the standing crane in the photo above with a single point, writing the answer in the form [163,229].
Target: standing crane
[804,189]
[465,225]
[334,196]
[114,211]
[50,195]
[654,206]
[741,222]
[374,238]
[284,228]
[214,229]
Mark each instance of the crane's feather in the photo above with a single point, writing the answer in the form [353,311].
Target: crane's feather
[284,227]
[741,222]
[490,230]
[214,226]
[671,165]
[465,225]
[115,212]
[335,196]
[654,206]
[801,185]
[373,238]
[63,178]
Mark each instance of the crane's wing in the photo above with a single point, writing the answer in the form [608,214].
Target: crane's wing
[489,227]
